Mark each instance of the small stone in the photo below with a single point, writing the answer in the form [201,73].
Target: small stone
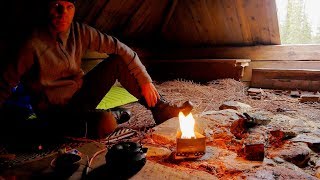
[269,162]
[310,139]
[166,132]
[295,94]
[208,154]
[209,134]
[157,152]
[241,107]
[255,91]
[261,118]
[296,153]
[278,160]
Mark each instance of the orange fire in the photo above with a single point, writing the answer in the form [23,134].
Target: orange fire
[187,126]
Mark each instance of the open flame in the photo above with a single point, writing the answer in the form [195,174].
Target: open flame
[187,126]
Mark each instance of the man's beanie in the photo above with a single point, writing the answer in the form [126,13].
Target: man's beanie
[72,1]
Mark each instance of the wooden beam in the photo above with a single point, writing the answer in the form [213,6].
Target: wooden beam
[201,21]
[146,21]
[286,79]
[236,62]
[115,15]
[279,65]
[272,19]
[255,53]
[245,29]
[89,11]
[167,18]
[298,74]
[199,70]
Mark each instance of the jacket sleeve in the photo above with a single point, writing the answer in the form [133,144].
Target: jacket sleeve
[11,75]
[103,43]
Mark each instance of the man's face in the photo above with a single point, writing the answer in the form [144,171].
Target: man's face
[61,15]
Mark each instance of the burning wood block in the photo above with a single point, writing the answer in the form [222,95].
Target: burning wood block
[190,144]
[276,136]
[254,152]
[238,128]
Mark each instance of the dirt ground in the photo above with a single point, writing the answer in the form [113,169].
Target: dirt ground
[210,96]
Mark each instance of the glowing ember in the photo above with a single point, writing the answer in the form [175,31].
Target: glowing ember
[187,126]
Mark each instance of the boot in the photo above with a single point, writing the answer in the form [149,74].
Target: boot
[104,122]
[164,110]
[122,115]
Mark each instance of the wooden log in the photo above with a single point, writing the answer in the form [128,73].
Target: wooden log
[201,70]
[286,79]
[255,53]
[312,65]
[310,98]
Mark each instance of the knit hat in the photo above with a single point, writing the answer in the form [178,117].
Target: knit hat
[72,1]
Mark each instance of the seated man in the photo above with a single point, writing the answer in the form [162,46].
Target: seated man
[49,67]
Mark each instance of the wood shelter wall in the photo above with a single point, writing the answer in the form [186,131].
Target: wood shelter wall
[184,23]
[155,23]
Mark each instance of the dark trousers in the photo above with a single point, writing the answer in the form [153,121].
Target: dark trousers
[78,117]
[100,79]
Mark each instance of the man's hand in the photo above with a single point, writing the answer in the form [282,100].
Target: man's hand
[150,93]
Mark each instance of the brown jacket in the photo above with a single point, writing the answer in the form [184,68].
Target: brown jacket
[51,66]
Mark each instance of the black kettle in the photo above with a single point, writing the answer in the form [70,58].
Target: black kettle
[125,159]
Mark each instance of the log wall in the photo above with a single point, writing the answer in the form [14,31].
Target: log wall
[184,23]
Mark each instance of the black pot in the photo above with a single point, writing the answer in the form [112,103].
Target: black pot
[125,159]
